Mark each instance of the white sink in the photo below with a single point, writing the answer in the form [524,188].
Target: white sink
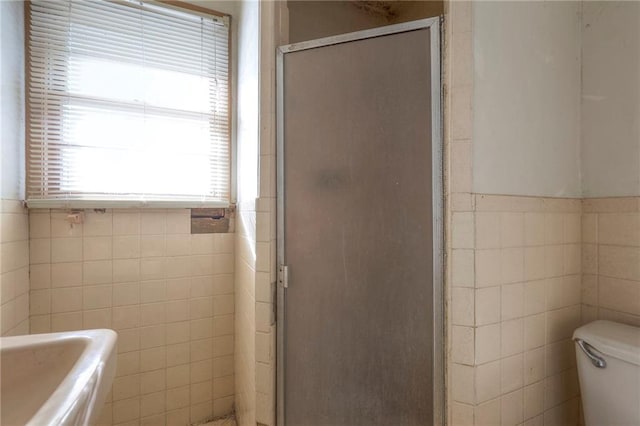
[56,378]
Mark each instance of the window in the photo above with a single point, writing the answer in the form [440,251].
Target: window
[128,104]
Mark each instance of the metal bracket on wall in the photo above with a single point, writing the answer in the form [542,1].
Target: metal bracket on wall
[283,276]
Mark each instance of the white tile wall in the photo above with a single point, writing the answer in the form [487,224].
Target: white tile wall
[168,294]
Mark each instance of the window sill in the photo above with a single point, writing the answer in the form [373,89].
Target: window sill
[123,204]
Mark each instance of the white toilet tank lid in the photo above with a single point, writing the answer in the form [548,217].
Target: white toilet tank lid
[620,341]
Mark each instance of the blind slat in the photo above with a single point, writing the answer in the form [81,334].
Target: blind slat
[127,102]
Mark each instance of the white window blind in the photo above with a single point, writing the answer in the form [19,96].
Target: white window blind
[128,103]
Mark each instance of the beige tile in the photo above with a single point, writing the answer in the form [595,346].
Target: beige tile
[126,294]
[126,410]
[512,373]
[512,265]
[96,248]
[589,259]
[152,269]
[462,59]
[126,270]
[201,349]
[534,331]
[177,398]
[152,381]
[462,122]
[512,408]
[178,354]
[511,229]
[178,332]
[461,202]
[462,229]
[462,383]
[589,228]
[126,223]
[153,358]
[201,371]
[66,274]
[572,259]
[461,172]
[534,226]
[178,245]
[152,223]
[487,229]
[512,333]
[39,251]
[461,414]
[40,276]
[126,247]
[97,272]
[488,413]
[126,387]
[66,299]
[66,250]
[462,268]
[619,229]
[534,366]
[462,306]
[178,221]
[534,263]
[60,226]
[97,223]
[223,366]
[619,262]
[97,318]
[619,295]
[152,245]
[512,301]
[488,267]
[488,306]
[153,291]
[554,260]
[39,225]
[152,403]
[559,357]
[96,297]
[561,323]
[66,321]
[572,228]
[589,290]
[487,348]
[126,317]
[153,313]
[40,302]
[533,396]
[462,345]
[152,336]
[487,381]
[554,229]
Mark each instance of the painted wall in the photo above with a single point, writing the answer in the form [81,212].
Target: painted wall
[309,20]
[12,99]
[14,224]
[526,107]
[611,99]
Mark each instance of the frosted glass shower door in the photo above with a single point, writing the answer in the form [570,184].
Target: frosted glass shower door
[357,231]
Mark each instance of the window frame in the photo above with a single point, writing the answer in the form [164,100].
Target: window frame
[59,203]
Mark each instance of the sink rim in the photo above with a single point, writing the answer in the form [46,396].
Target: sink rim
[99,349]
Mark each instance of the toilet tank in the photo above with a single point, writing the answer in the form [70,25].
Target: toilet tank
[608,356]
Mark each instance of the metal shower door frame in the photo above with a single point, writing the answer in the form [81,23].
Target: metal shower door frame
[433,24]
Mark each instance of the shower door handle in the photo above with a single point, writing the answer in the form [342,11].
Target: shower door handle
[596,360]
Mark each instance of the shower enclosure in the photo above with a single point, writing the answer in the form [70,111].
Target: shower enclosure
[360,229]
